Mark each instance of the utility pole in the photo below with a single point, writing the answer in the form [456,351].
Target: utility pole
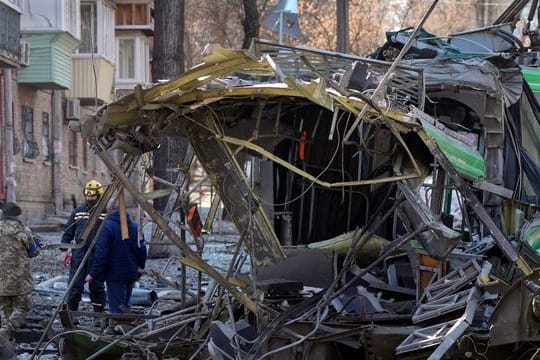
[342,24]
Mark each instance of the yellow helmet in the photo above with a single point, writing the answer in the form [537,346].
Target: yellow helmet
[93,188]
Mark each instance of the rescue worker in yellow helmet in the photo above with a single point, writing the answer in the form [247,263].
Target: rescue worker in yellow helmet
[72,234]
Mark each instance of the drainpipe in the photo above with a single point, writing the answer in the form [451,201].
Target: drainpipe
[2,150]
[57,151]
[8,137]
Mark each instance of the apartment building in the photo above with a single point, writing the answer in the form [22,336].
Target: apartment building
[60,60]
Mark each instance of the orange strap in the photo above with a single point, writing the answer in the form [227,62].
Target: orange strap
[302,145]
[194,221]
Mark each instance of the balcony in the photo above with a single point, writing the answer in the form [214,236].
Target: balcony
[134,16]
[84,82]
[9,35]
[40,16]
[49,61]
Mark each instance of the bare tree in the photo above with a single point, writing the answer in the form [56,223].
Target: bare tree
[251,22]
[168,55]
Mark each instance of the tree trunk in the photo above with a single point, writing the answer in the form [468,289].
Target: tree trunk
[168,56]
[251,22]
[167,64]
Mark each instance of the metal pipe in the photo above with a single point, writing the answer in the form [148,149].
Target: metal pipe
[8,136]
[56,128]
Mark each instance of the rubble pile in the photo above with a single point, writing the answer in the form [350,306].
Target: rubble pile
[386,206]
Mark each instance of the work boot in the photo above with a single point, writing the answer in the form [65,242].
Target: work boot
[73,307]
[97,321]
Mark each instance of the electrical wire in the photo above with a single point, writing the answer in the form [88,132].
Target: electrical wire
[312,183]
[320,318]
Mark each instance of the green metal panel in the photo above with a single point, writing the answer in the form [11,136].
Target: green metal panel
[465,159]
[50,60]
[531,233]
[532,76]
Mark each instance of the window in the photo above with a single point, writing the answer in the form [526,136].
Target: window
[46,137]
[72,148]
[88,28]
[132,60]
[126,58]
[97,28]
[30,148]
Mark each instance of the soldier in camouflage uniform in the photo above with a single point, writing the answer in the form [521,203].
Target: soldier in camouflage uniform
[17,246]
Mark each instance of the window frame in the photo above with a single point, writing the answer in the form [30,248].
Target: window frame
[46,137]
[103,19]
[141,59]
[30,149]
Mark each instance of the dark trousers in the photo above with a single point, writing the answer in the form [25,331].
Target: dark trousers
[97,288]
[118,294]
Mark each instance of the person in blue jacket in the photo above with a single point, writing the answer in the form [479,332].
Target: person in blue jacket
[118,261]
[72,233]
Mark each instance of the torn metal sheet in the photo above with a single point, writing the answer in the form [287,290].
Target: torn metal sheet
[348,145]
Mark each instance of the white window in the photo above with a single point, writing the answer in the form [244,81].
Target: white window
[126,59]
[97,28]
[132,60]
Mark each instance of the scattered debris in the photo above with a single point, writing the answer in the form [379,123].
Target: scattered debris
[386,209]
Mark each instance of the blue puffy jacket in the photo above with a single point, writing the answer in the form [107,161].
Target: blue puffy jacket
[116,259]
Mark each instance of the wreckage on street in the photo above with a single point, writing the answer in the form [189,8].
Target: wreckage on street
[390,209]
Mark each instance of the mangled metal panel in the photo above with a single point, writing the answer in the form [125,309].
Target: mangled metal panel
[356,74]
[221,99]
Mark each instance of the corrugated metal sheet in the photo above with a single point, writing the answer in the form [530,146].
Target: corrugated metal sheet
[84,82]
[50,60]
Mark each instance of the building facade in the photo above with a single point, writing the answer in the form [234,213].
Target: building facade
[60,60]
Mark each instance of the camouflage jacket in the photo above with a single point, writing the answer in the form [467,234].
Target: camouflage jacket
[16,248]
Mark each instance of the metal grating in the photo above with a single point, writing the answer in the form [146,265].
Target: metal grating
[405,87]
[425,337]
[442,306]
[453,281]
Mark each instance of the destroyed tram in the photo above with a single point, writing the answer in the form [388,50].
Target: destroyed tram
[388,205]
